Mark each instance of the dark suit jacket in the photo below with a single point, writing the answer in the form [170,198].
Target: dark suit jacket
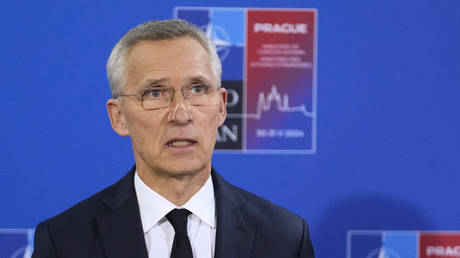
[108,225]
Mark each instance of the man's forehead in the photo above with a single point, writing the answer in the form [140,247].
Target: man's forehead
[171,63]
[184,51]
[156,79]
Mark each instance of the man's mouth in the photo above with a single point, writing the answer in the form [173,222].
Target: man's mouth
[181,142]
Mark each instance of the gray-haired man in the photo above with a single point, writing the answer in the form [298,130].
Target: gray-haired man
[165,82]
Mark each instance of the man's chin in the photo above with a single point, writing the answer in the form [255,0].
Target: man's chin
[185,168]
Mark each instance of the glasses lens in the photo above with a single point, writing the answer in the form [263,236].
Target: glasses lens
[156,98]
[199,94]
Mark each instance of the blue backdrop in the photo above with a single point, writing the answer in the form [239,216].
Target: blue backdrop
[388,125]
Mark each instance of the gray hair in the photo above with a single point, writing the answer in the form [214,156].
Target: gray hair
[156,30]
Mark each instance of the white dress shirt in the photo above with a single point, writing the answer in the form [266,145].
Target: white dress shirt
[159,233]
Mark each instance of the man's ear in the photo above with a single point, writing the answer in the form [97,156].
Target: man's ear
[117,117]
[222,105]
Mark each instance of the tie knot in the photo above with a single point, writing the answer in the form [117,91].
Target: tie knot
[178,219]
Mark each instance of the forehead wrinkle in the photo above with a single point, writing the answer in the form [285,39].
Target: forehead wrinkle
[197,78]
[151,81]
[161,72]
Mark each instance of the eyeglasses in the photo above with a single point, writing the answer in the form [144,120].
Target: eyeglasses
[160,97]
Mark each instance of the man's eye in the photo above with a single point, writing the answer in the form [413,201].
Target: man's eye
[198,89]
[154,93]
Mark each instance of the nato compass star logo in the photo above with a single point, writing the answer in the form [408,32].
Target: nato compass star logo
[383,253]
[220,38]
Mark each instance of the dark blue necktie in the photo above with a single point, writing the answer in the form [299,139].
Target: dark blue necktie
[181,247]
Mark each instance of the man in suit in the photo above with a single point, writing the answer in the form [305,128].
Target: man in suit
[165,82]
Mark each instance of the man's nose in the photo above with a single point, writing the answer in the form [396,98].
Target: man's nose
[179,110]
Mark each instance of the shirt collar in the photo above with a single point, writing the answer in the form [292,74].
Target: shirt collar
[153,207]
[202,204]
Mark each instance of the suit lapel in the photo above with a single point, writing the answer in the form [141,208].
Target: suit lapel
[236,226]
[121,228]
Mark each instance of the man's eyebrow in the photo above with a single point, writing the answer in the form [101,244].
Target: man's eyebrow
[153,82]
[158,82]
[198,79]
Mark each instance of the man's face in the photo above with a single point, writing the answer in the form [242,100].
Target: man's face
[178,139]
